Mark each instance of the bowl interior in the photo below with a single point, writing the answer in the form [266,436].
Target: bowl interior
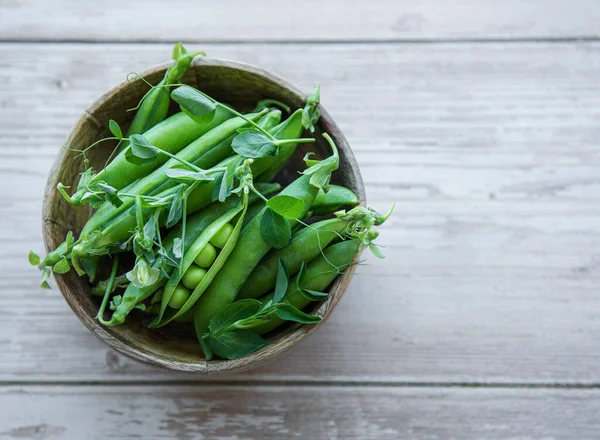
[174,346]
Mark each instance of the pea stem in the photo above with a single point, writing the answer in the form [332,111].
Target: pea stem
[111,280]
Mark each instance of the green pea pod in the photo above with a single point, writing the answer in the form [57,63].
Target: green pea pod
[155,106]
[304,246]
[336,198]
[170,135]
[166,316]
[320,273]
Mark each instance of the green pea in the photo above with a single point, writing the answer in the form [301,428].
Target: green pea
[207,256]
[220,238]
[193,276]
[179,297]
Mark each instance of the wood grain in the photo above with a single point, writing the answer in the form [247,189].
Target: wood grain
[242,412]
[270,20]
[489,151]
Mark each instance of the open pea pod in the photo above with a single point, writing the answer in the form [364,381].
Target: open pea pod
[166,315]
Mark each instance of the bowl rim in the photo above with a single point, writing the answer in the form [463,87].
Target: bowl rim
[282,342]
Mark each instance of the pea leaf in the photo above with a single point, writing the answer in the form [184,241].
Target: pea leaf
[62,266]
[178,51]
[69,240]
[150,229]
[143,275]
[288,312]
[178,247]
[140,306]
[234,312]
[116,302]
[313,295]
[45,275]
[274,229]
[311,113]
[254,144]
[176,209]
[376,251]
[287,206]
[115,129]
[111,194]
[194,103]
[301,277]
[282,282]
[34,259]
[187,175]
[235,344]
[140,151]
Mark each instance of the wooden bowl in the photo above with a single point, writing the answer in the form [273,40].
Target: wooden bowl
[175,346]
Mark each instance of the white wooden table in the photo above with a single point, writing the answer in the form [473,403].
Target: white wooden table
[479,118]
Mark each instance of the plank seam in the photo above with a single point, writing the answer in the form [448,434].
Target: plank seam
[492,40]
[305,383]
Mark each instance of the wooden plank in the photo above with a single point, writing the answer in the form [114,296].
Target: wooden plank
[489,151]
[270,20]
[243,412]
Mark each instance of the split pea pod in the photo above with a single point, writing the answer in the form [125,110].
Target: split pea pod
[320,273]
[208,235]
[304,246]
[195,225]
[246,255]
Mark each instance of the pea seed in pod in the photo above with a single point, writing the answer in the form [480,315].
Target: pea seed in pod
[220,238]
[192,277]
[207,256]
[179,297]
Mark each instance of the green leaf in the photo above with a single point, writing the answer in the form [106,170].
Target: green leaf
[143,275]
[275,230]
[234,312]
[150,229]
[140,306]
[62,266]
[178,51]
[34,259]
[235,344]
[227,181]
[69,240]
[376,251]
[141,148]
[287,206]
[288,312]
[111,194]
[115,129]
[187,175]
[116,302]
[178,247]
[301,277]
[313,295]
[254,144]
[176,209]
[208,353]
[138,152]
[45,275]
[311,113]
[194,103]
[282,282]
